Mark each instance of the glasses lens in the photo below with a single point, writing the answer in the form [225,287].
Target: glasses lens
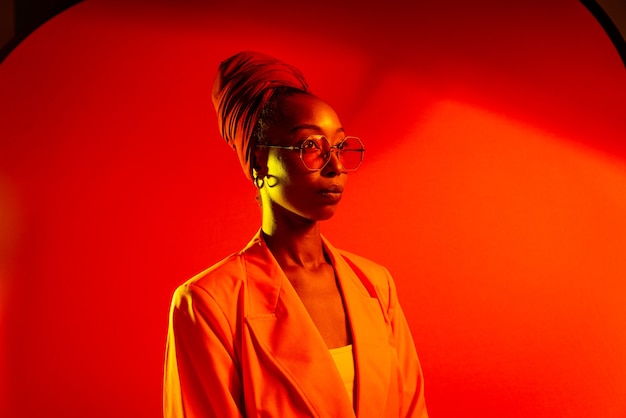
[313,151]
[351,153]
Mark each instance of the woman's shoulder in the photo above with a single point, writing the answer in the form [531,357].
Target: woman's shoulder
[225,273]
[225,279]
[374,277]
[361,261]
[372,274]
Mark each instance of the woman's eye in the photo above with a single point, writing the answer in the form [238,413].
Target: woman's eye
[309,144]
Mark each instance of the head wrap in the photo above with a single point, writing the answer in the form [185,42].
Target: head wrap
[243,85]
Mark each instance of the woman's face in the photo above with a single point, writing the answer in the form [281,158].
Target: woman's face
[291,188]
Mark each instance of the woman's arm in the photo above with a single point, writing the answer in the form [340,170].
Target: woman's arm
[412,402]
[201,376]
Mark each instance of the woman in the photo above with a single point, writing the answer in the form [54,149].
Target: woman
[289,326]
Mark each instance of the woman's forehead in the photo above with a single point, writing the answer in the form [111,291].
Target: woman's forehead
[307,113]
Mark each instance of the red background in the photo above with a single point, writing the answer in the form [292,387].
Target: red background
[494,189]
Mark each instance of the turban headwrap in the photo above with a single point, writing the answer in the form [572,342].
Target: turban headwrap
[243,85]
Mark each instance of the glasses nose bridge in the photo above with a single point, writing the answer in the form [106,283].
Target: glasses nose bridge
[327,149]
[334,149]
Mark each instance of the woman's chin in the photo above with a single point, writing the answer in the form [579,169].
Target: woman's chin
[325,213]
[306,215]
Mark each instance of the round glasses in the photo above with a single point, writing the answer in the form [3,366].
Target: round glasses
[315,152]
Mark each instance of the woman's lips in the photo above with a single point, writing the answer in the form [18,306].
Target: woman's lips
[331,193]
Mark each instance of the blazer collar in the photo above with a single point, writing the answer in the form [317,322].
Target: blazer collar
[282,327]
[369,337]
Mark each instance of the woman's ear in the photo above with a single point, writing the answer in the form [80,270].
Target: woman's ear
[259,165]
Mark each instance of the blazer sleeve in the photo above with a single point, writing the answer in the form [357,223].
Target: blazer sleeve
[201,376]
[412,398]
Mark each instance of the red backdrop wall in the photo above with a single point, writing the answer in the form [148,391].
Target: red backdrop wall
[494,189]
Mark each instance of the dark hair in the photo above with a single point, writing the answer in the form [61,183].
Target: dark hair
[269,115]
[271,111]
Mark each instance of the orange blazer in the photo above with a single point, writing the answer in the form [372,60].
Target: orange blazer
[240,343]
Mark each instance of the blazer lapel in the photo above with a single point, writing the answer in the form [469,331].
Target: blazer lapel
[369,334]
[285,332]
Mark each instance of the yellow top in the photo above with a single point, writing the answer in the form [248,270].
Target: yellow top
[344,360]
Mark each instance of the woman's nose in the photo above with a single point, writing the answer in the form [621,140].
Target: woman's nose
[334,164]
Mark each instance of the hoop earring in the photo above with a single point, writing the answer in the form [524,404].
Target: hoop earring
[271,183]
[258,182]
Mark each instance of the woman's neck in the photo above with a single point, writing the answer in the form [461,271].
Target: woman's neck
[294,241]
